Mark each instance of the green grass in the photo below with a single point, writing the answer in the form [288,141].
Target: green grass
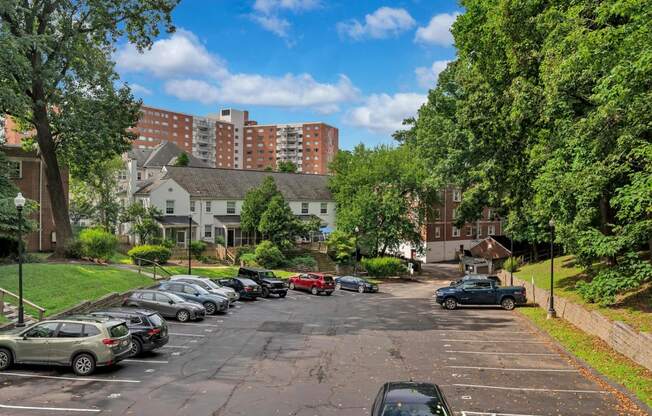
[119,258]
[217,272]
[596,353]
[633,308]
[60,286]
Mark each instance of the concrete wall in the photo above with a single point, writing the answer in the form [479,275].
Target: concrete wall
[621,337]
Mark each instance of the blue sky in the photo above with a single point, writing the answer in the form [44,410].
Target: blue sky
[361,66]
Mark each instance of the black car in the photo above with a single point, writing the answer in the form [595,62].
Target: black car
[408,398]
[213,303]
[246,288]
[148,329]
[266,279]
[168,305]
[355,283]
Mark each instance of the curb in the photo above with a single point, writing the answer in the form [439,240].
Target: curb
[583,364]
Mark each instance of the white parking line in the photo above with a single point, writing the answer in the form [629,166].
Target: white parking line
[176,346]
[492,341]
[477,386]
[504,353]
[50,409]
[177,334]
[193,324]
[146,361]
[481,331]
[106,380]
[467,413]
[543,370]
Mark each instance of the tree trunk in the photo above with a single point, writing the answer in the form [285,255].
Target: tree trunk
[605,225]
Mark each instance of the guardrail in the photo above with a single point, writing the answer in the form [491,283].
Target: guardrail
[3,292]
[139,263]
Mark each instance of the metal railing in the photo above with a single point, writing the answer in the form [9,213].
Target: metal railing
[4,292]
[153,264]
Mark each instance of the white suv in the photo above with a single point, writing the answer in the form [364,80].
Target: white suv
[209,285]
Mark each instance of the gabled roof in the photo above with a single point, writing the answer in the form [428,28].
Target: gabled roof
[162,155]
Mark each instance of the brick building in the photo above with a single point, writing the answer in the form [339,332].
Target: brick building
[27,173]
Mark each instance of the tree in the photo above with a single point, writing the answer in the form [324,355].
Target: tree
[57,77]
[143,222]
[8,214]
[182,160]
[341,246]
[95,196]
[278,223]
[286,166]
[384,194]
[256,202]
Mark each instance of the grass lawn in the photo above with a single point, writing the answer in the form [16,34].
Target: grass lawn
[634,308]
[59,286]
[596,353]
[219,271]
[119,258]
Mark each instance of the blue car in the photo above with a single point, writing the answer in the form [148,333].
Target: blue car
[355,283]
[409,398]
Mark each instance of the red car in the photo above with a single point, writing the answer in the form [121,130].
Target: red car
[316,283]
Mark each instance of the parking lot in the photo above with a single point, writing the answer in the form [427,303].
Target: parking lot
[324,355]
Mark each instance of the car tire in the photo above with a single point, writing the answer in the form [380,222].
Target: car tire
[265,292]
[6,359]
[360,289]
[211,308]
[329,293]
[508,304]
[314,290]
[183,315]
[291,285]
[83,364]
[136,347]
[282,294]
[450,303]
[338,286]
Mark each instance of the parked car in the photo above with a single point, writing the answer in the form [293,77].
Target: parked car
[481,292]
[266,279]
[316,283]
[476,277]
[409,398]
[167,304]
[209,285]
[355,283]
[194,293]
[148,329]
[246,288]
[81,342]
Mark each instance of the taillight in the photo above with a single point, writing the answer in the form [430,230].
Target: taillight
[247,289]
[110,342]
[154,331]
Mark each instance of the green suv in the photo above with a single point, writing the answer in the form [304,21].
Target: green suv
[83,342]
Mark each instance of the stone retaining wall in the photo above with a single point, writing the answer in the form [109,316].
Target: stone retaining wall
[618,335]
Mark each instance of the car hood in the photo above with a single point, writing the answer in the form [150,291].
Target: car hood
[268,280]
[223,292]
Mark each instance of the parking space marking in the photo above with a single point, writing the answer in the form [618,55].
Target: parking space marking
[50,409]
[478,386]
[468,413]
[178,334]
[129,360]
[543,370]
[183,347]
[504,353]
[193,324]
[482,331]
[107,380]
[492,341]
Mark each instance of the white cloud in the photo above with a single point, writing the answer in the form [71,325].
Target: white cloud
[383,113]
[179,55]
[139,89]
[269,6]
[274,24]
[428,76]
[438,30]
[252,89]
[384,22]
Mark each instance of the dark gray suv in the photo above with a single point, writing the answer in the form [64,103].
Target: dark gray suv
[168,305]
[194,293]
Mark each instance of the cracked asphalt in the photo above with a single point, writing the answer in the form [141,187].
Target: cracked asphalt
[325,355]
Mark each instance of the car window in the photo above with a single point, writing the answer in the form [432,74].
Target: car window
[189,289]
[162,298]
[147,296]
[175,287]
[135,320]
[328,279]
[483,285]
[209,284]
[45,330]
[155,319]
[90,330]
[70,330]
[468,285]
[267,274]
[176,298]
[119,331]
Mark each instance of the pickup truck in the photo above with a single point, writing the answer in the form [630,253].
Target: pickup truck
[266,279]
[480,292]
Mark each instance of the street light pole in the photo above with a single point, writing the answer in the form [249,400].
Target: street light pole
[19,202]
[355,264]
[511,257]
[551,301]
[189,241]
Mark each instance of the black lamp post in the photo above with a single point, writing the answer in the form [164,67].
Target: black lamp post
[19,202]
[511,257]
[551,302]
[189,241]
[355,264]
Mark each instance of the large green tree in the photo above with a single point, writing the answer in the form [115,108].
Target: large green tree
[256,202]
[57,79]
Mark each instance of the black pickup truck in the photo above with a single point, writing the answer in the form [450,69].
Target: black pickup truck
[267,281]
[480,292]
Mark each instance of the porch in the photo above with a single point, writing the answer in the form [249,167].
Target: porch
[178,228]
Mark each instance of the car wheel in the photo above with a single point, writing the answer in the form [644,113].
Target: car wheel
[136,347]
[329,293]
[6,359]
[211,308]
[450,304]
[338,286]
[83,364]
[265,292]
[314,290]
[183,315]
[291,285]
[508,304]
[282,294]
[360,289]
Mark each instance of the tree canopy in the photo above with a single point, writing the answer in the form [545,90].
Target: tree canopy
[286,166]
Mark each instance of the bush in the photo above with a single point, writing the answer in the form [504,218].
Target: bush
[512,264]
[604,288]
[268,255]
[219,240]
[303,263]
[240,251]
[248,259]
[74,249]
[383,266]
[97,244]
[158,254]
[165,242]
[197,249]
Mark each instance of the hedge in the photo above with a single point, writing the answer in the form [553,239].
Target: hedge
[97,244]
[158,254]
[383,266]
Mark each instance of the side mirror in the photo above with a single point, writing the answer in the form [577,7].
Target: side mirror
[196,293]
[171,302]
[24,337]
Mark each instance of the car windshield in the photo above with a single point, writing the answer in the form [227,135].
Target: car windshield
[248,282]
[433,408]
[119,331]
[268,274]
[211,284]
[201,290]
[328,279]
[155,319]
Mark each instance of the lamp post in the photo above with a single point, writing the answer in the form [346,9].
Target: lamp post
[355,264]
[189,241]
[551,301]
[19,202]
[511,259]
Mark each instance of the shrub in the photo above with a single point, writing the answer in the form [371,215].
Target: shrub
[97,244]
[629,274]
[268,255]
[158,254]
[197,249]
[240,251]
[248,259]
[303,263]
[219,240]
[383,266]
[74,249]
[161,241]
[512,264]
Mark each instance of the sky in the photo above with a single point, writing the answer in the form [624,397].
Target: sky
[359,65]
